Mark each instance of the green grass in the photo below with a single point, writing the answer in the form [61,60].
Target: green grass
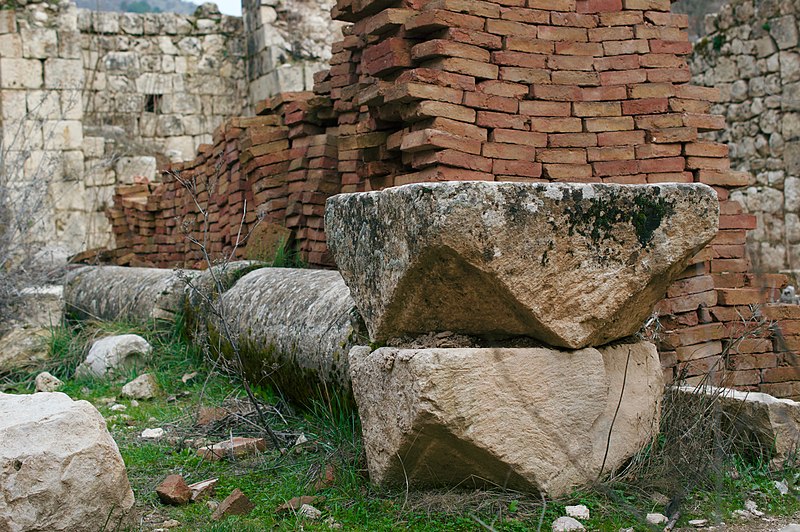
[333,434]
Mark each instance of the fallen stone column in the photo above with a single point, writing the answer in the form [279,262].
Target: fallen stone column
[528,419]
[133,294]
[294,328]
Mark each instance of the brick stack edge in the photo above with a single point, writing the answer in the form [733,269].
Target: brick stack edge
[502,90]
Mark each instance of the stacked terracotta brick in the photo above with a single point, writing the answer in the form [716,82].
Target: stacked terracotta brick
[546,90]
[276,167]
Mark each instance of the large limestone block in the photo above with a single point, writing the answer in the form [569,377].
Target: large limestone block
[572,265]
[22,348]
[59,467]
[113,355]
[771,423]
[530,419]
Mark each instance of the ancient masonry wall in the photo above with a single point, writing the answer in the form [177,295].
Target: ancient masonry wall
[524,90]
[89,100]
[751,54]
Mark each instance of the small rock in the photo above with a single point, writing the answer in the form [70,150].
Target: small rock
[212,505]
[188,377]
[565,524]
[134,403]
[203,488]
[698,523]
[234,447]
[301,440]
[118,408]
[170,523]
[782,487]
[578,512]
[45,382]
[144,386]
[330,522]
[236,503]
[309,512]
[174,490]
[752,507]
[114,354]
[152,434]
[742,514]
[296,502]
[656,519]
[629,529]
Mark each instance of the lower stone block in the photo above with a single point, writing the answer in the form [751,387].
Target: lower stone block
[530,419]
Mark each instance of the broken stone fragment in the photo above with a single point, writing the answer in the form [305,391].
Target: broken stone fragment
[528,419]
[236,503]
[572,265]
[45,382]
[773,423]
[144,386]
[203,488]
[60,469]
[235,447]
[114,354]
[174,490]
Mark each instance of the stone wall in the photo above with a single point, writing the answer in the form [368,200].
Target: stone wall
[567,91]
[90,100]
[751,54]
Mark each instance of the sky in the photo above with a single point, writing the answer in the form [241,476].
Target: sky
[229,7]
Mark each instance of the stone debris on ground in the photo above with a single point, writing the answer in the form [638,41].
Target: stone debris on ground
[188,377]
[115,354]
[144,386]
[579,511]
[152,434]
[309,512]
[566,524]
[656,519]
[118,407]
[792,527]
[752,507]
[295,503]
[782,486]
[204,488]
[473,413]
[45,382]
[464,269]
[771,422]
[235,447]
[61,451]
[174,490]
[236,503]
[698,523]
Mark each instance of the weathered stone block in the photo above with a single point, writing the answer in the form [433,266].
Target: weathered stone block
[128,168]
[569,264]
[20,73]
[531,419]
[63,74]
[62,470]
[784,31]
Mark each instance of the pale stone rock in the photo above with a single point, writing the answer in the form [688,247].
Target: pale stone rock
[579,511]
[59,450]
[773,423]
[516,418]
[309,512]
[656,519]
[24,348]
[142,387]
[152,434]
[460,256]
[566,524]
[114,354]
[45,382]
